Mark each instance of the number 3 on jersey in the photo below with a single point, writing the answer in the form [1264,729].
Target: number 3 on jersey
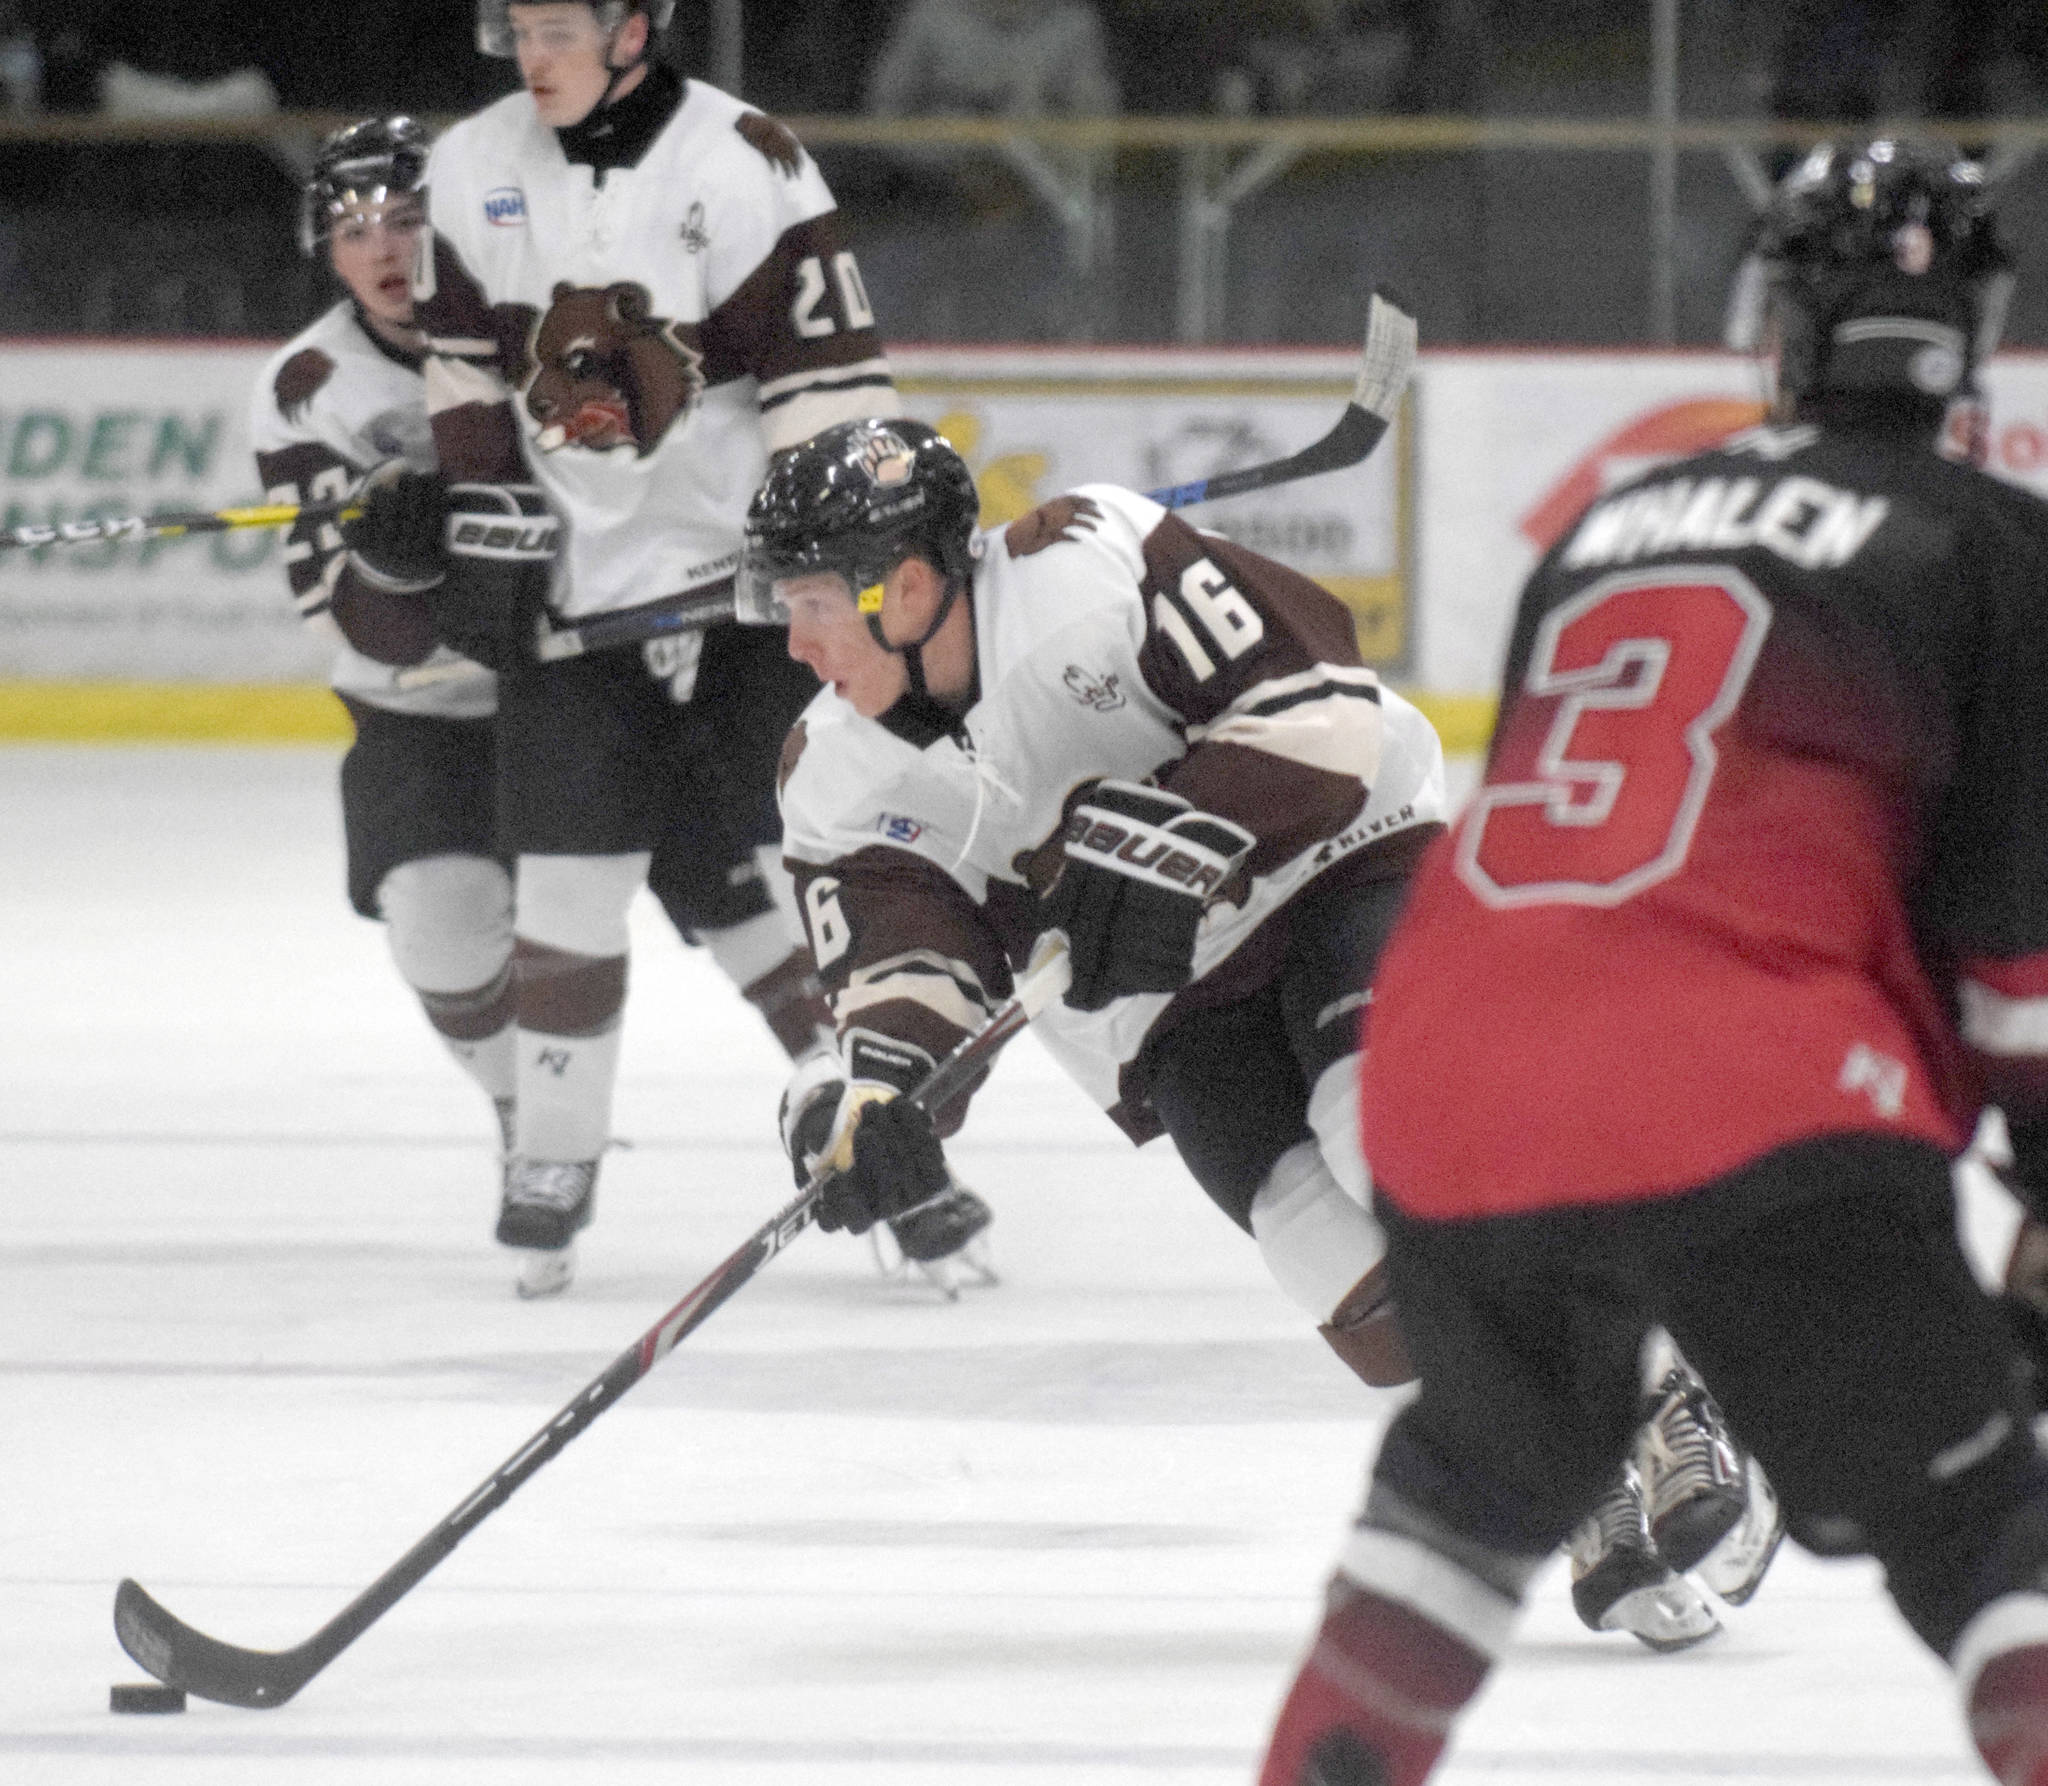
[1634,677]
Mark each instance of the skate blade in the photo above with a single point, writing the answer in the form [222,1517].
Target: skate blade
[545,1274]
[972,1267]
[1665,1616]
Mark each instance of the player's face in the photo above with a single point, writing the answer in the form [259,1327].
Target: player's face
[372,246]
[565,59]
[829,635]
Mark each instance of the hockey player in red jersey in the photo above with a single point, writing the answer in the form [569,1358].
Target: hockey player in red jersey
[1688,1017]
[635,289]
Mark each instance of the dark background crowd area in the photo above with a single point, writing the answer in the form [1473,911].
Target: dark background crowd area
[1508,245]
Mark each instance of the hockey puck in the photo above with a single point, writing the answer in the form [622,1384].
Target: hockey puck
[146,1696]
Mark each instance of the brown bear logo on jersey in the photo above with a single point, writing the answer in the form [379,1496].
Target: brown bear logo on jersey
[604,371]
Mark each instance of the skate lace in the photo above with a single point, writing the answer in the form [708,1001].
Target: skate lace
[551,1184]
[1619,1520]
[1685,1448]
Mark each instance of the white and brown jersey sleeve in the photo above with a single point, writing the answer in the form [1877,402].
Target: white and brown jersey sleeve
[788,307]
[1282,718]
[327,409]
[904,948]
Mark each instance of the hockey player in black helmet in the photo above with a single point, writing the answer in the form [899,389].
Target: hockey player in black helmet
[1005,702]
[341,403]
[1688,1023]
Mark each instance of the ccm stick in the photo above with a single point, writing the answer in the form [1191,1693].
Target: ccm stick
[179,1656]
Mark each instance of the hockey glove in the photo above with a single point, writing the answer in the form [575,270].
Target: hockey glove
[884,1152]
[394,545]
[1141,865]
[500,542]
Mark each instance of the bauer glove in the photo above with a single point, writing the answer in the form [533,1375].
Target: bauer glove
[1141,865]
[394,545]
[500,543]
[883,1150]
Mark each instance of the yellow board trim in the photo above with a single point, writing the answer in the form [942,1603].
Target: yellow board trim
[308,713]
[1463,722]
[171,713]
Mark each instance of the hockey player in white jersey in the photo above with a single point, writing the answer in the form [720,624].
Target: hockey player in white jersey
[635,288]
[339,401]
[1156,741]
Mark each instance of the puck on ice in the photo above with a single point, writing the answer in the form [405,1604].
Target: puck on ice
[146,1696]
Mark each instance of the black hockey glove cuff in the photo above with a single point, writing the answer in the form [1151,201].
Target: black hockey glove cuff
[395,543]
[1141,865]
[501,541]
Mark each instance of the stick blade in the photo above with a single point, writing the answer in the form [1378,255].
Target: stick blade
[1391,339]
[181,1657]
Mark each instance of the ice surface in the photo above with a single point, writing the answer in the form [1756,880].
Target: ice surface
[254,1340]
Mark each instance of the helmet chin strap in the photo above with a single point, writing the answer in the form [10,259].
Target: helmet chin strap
[611,90]
[912,653]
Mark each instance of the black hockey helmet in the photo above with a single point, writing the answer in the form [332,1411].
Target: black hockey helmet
[1883,270]
[362,164]
[857,500]
[494,21]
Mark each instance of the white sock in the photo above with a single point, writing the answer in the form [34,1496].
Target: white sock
[564,1092]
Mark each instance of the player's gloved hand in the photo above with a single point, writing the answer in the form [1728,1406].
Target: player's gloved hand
[500,544]
[394,545]
[1141,864]
[883,1150]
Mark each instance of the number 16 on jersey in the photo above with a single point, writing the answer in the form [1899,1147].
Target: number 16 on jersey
[1637,674]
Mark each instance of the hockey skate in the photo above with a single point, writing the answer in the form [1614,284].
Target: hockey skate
[1694,1480]
[546,1203]
[943,1241]
[1620,1583]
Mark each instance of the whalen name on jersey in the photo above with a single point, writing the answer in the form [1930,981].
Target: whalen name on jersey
[1804,521]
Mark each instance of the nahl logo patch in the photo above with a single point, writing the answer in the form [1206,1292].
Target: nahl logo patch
[898,829]
[505,206]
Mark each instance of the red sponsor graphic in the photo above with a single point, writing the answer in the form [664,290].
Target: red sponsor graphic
[1670,432]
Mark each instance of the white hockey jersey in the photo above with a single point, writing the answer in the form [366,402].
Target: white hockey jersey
[1112,640]
[332,404]
[638,340]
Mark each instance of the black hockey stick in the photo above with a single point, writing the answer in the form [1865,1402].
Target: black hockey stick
[179,1656]
[1390,342]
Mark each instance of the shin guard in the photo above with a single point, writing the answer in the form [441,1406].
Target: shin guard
[1374,1703]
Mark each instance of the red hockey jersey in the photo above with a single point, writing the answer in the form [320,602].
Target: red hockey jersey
[1762,848]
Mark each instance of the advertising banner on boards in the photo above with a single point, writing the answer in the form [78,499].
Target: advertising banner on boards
[1428,542]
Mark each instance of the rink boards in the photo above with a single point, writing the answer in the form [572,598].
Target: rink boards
[1426,542]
